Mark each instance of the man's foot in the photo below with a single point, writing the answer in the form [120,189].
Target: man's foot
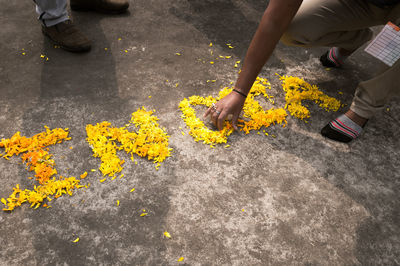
[345,128]
[105,6]
[334,57]
[68,37]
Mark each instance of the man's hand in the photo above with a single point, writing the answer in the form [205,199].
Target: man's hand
[231,104]
[274,22]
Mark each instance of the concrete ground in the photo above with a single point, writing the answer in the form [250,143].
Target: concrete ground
[305,200]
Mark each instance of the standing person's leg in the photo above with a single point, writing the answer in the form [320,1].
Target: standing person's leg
[56,25]
[51,12]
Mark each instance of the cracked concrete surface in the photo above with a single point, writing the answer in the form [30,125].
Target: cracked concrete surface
[294,199]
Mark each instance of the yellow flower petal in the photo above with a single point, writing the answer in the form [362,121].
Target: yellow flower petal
[76,240]
[83,175]
[166,234]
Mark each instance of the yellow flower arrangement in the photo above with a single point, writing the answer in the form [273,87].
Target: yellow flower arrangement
[256,117]
[39,161]
[149,141]
[298,90]
[252,110]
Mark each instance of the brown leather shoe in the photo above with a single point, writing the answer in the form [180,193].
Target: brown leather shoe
[106,6]
[68,37]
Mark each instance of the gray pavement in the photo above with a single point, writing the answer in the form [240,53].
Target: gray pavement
[305,200]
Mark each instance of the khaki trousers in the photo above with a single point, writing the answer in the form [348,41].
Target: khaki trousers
[345,24]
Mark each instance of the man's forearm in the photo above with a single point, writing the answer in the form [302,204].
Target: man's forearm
[274,22]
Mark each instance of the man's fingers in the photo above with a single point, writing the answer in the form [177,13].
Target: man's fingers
[221,119]
[207,112]
[214,118]
[235,120]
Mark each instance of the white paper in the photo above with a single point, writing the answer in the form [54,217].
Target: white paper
[386,45]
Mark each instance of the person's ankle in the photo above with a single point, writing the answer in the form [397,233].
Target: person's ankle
[334,57]
[345,52]
[359,120]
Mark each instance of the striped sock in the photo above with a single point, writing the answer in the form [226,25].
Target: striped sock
[332,58]
[342,129]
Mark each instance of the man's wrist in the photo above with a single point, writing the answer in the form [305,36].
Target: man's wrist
[237,90]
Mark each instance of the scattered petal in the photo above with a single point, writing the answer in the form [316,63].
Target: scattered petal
[181,259]
[76,240]
[166,234]
[133,189]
